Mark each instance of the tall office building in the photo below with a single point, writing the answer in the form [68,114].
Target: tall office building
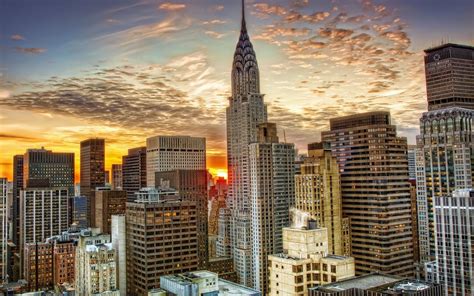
[92,170]
[375,191]
[44,168]
[449,70]
[318,192]
[117,177]
[454,242]
[107,204]
[95,265]
[167,153]
[445,147]
[245,111]
[191,186]
[305,261]
[134,171]
[119,244]
[161,236]
[272,194]
[44,213]
[79,212]
[17,186]
[3,230]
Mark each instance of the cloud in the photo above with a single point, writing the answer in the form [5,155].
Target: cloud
[17,37]
[6,137]
[214,34]
[172,6]
[30,50]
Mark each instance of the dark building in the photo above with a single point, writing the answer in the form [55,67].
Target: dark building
[134,171]
[92,170]
[375,191]
[161,237]
[108,203]
[378,285]
[17,187]
[450,76]
[191,186]
[79,213]
[44,168]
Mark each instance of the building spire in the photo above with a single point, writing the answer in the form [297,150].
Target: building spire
[244,24]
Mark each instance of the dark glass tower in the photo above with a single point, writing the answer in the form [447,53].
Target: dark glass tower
[450,76]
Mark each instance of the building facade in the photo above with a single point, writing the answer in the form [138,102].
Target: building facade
[119,244]
[375,189]
[318,192]
[92,171]
[107,204]
[272,194]
[161,238]
[444,163]
[17,187]
[134,171]
[454,242]
[305,262]
[191,185]
[116,182]
[95,265]
[44,168]
[38,271]
[223,244]
[449,75]
[79,212]
[167,153]
[3,230]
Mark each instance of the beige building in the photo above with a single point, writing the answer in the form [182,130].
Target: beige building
[318,192]
[305,262]
[95,265]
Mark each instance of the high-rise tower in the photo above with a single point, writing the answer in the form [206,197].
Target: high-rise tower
[245,112]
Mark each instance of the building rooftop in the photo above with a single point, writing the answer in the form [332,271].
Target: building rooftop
[365,282]
[446,45]
[230,288]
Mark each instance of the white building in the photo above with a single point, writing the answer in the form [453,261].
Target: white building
[454,243]
[272,192]
[166,153]
[119,244]
[223,246]
[3,229]
[305,262]
[43,213]
[95,265]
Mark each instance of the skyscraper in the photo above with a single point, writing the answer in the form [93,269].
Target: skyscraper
[191,186]
[245,111]
[318,192]
[162,238]
[119,244]
[17,186]
[166,153]
[117,177]
[449,72]
[134,171]
[445,147]
[3,229]
[454,242]
[45,168]
[92,170]
[272,194]
[375,191]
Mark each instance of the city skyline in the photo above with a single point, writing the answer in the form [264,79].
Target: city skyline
[156,77]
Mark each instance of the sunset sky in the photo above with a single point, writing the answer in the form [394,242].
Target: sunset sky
[128,70]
